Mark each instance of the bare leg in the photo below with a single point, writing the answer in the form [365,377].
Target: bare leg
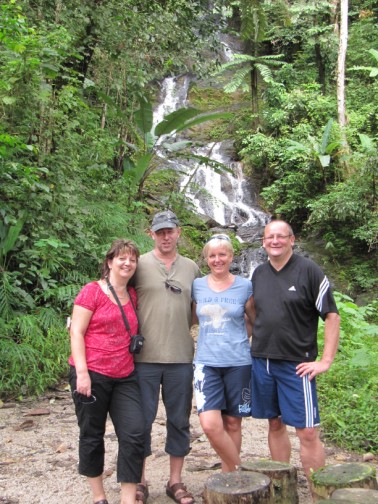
[220,439]
[278,439]
[176,464]
[128,493]
[97,487]
[232,425]
[143,480]
[175,467]
[311,449]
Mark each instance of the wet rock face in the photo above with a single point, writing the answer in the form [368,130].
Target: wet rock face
[247,261]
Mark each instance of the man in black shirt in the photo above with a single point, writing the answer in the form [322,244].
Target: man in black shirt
[290,292]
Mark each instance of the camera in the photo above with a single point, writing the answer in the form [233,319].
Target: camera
[136,343]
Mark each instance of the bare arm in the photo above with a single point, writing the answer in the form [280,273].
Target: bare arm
[194,314]
[331,342]
[250,315]
[79,324]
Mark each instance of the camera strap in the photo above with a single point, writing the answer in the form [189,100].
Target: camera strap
[112,290]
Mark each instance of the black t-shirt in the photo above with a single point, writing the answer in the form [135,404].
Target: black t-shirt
[288,305]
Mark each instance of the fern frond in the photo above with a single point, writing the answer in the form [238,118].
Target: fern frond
[29,329]
[237,80]
[48,318]
[13,355]
[7,294]
[265,72]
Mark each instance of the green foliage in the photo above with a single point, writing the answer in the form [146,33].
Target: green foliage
[75,144]
[207,98]
[69,94]
[348,391]
[161,137]
[240,77]
[373,71]
[33,353]
[307,177]
[297,170]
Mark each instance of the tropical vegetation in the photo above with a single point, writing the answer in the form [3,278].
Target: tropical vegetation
[80,157]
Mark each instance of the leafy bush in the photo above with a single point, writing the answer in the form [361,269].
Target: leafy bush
[33,353]
[348,392]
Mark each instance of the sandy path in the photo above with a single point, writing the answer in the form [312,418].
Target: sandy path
[38,459]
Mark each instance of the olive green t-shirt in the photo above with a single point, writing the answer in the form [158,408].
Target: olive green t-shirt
[165,316]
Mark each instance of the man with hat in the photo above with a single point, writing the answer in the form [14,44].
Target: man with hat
[163,282]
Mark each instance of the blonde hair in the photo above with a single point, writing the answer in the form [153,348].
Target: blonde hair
[218,240]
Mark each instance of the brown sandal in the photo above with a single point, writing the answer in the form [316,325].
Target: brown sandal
[142,493]
[178,492]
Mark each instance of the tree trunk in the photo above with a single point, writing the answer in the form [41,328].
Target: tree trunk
[283,476]
[358,495]
[239,487]
[343,42]
[321,67]
[332,477]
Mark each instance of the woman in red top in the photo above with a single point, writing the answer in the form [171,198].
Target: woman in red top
[102,376]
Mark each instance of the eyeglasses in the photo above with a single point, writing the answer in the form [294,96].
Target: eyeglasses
[219,237]
[83,399]
[173,288]
[278,237]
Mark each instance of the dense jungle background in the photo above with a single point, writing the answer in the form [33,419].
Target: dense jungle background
[81,159]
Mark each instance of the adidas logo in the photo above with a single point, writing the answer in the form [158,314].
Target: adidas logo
[292,288]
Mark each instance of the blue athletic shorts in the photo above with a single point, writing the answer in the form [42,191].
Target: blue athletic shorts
[278,391]
[227,389]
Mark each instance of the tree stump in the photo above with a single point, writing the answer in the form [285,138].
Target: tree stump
[239,487]
[357,495]
[283,477]
[329,478]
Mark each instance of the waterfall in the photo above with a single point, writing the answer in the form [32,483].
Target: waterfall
[228,199]
[173,95]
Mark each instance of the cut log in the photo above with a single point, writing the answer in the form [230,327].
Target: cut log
[283,477]
[239,487]
[332,477]
[357,495]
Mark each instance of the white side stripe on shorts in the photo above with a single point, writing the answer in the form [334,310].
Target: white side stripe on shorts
[307,393]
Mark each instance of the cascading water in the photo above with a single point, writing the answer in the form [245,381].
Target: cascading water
[227,198]
[173,95]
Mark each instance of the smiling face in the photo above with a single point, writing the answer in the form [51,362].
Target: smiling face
[278,241]
[219,258]
[166,241]
[122,267]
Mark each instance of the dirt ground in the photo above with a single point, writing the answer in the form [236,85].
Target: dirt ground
[39,445]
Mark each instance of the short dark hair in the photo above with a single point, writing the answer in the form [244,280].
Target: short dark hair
[117,247]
